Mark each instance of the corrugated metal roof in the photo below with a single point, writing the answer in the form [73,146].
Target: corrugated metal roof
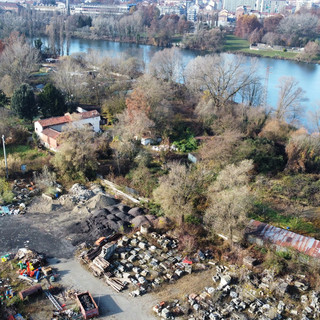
[284,238]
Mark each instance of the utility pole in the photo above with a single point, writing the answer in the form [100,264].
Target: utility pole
[5,157]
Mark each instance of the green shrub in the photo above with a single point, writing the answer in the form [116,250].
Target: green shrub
[191,219]
[186,145]
[267,155]
[6,195]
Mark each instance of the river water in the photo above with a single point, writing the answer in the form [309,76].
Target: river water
[308,75]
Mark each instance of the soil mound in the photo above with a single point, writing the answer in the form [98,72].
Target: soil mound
[100,201]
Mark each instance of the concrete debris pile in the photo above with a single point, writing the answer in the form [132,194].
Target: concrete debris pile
[144,261]
[26,255]
[169,310]
[237,293]
[79,193]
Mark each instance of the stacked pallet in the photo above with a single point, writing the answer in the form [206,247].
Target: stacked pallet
[115,283]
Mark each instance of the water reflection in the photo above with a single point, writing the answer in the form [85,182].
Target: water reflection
[307,74]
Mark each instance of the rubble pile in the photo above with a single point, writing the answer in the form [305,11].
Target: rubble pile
[24,191]
[145,261]
[237,293]
[25,255]
[23,194]
[79,193]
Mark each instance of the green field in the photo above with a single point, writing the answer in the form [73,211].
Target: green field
[271,53]
[22,152]
[234,43]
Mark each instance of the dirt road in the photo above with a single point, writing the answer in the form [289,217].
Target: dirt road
[112,305]
[37,232]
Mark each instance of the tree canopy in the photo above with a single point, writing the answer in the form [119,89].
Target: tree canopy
[23,102]
[51,101]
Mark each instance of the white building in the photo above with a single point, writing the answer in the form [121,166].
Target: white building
[48,130]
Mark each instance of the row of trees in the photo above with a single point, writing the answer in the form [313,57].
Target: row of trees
[145,24]
[295,30]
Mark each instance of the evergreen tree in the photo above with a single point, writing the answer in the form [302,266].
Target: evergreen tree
[51,101]
[23,102]
[3,99]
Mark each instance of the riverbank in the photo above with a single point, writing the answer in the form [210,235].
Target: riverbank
[237,45]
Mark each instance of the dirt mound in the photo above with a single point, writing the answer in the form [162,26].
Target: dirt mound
[40,205]
[123,207]
[136,212]
[102,222]
[139,221]
[81,210]
[100,201]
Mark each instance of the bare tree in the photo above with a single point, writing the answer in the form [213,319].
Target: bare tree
[314,119]
[178,189]
[220,149]
[78,152]
[134,124]
[230,200]
[18,60]
[295,28]
[220,76]
[311,51]
[289,106]
[167,65]
[71,78]
[303,152]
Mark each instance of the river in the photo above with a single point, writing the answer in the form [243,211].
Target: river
[307,74]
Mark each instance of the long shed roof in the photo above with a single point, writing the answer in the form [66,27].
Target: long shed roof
[284,238]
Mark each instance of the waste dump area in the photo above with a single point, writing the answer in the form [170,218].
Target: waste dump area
[25,276]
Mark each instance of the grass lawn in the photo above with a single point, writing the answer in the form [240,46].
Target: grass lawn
[22,152]
[234,43]
[271,53]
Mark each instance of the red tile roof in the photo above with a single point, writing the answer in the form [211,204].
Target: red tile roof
[51,133]
[68,118]
[284,238]
[54,121]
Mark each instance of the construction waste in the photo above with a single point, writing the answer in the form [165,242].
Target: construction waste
[141,262]
[23,193]
[36,279]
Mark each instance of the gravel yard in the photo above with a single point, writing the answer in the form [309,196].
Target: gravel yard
[47,232]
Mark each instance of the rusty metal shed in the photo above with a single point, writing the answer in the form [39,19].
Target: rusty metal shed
[260,233]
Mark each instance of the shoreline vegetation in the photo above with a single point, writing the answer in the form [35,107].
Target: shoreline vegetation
[232,44]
